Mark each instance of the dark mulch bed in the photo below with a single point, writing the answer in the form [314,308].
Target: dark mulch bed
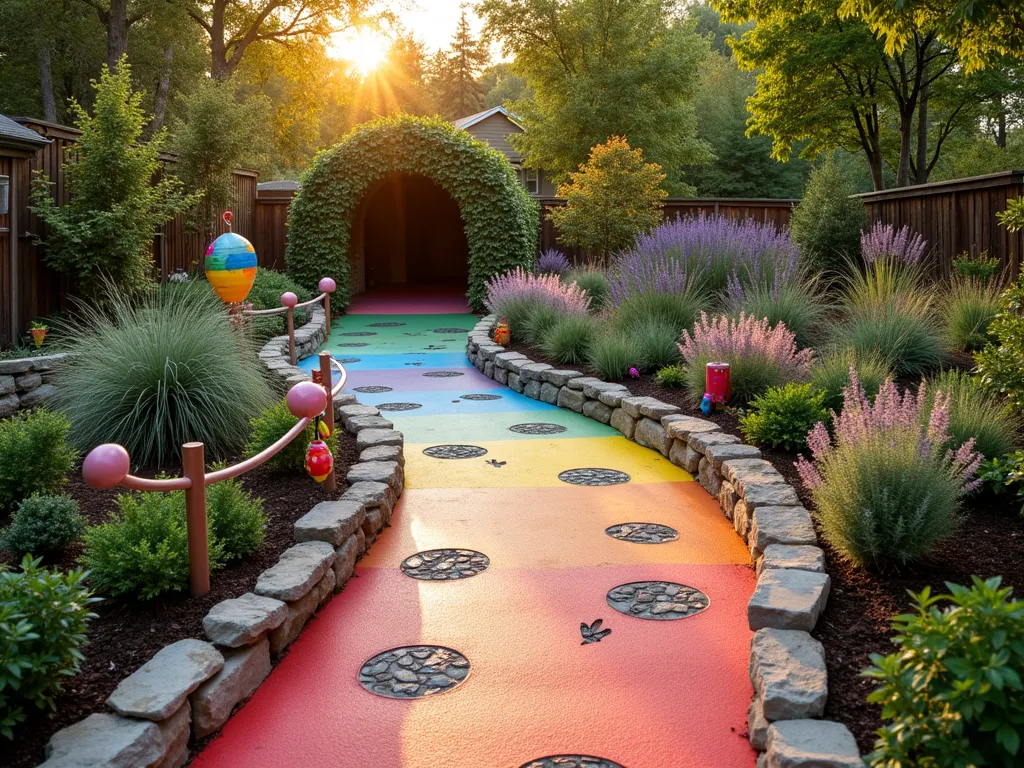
[128,633]
[857,619]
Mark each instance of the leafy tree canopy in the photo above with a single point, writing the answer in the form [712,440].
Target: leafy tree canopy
[107,226]
[612,198]
[603,68]
[981,30]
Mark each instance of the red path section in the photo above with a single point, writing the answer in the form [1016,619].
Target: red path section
[653,694]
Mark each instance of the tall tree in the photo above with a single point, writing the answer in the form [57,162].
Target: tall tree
[982,31]
[603,68]
[501,85]
[455,73]
[829,81]
[234,25]
[117,17]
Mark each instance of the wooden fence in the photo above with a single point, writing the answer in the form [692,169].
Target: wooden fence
[38,290]
[767,210]
[956,216]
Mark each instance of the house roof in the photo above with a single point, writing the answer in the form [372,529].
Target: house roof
[282,184]
[466,122]
[19,137]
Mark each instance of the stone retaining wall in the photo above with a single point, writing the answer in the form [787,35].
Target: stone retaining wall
[787,665]
[27,382]
[190,688]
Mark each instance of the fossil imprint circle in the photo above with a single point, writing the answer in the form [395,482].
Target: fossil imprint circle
[571,761]
[398,406]
[593,476]
[414,671]
[445,564]
[642,533]
[454,451]
[657,600]
[373,390]
[538,428]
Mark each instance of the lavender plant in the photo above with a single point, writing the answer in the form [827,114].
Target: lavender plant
[515,295]
[706,250]
[759,355]
[552,262]
[887,488]
[884,242]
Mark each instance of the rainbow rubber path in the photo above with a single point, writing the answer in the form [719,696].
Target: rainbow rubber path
[652,694]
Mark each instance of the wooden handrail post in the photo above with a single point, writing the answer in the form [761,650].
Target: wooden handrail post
[291,335]
[327,313]
[193,465]
[331,483]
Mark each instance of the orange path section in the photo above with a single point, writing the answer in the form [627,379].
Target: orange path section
[653,694]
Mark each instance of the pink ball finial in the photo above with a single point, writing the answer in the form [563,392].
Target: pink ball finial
[327,285]
[106,466]
[289,299]
[306,400]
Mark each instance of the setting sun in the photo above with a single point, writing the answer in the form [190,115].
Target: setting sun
[365,48]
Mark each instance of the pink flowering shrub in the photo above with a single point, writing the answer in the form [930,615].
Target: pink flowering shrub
[519,296]
[883,242]
[760,356]
[886,486]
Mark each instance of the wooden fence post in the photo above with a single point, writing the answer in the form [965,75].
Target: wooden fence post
[193,467]
[331,483]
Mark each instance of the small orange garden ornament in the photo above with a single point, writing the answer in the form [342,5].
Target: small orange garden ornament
[501,333]
[319,461]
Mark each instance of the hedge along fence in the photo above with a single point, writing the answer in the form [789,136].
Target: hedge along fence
[500,218]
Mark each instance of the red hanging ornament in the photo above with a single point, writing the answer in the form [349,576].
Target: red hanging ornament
[319,461]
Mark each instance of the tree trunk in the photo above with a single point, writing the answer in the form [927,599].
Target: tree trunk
[906,131]
[921,177]
[162,88]
[219,69]
[117,32]
[1001,125]
[46,83]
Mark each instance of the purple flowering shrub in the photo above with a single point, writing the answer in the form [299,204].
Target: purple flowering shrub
[705,250]
[886,486]
[884,242]
[552,262]
[518,295]
[759,355]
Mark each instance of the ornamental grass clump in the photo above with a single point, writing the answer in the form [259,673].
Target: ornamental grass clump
[711,248]
[830,374]
[759,355]
[569,340]
[887,487]
[594,282]
[967,307]
[552,262]
[514,296]
[976,413]
[154,372]
[793,300]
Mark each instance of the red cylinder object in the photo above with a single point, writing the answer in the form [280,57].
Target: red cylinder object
[718,382]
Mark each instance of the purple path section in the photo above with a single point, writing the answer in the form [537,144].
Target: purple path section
[411,300]
[415,381]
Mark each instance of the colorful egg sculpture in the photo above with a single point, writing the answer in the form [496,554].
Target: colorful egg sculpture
[231,267]
[319,461]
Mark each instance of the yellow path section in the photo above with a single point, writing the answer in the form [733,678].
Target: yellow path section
[524,528]
[537,463]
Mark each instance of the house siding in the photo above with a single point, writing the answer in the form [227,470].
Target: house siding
[495,130]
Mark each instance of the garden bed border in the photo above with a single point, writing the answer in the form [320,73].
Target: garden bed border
[787,665]
[191,688]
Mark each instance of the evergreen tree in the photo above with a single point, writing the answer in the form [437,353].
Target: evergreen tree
[107,226]
[456,72]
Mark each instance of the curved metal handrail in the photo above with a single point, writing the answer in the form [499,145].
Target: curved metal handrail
[284,308]
[107,466]
[290,302]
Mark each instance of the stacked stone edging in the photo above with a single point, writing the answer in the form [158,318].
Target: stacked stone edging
[191,687]
[27,382]
[787,665]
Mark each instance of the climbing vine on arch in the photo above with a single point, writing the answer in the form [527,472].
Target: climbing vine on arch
[500,218]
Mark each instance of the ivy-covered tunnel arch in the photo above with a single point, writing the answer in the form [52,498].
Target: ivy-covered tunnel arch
[499,217]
